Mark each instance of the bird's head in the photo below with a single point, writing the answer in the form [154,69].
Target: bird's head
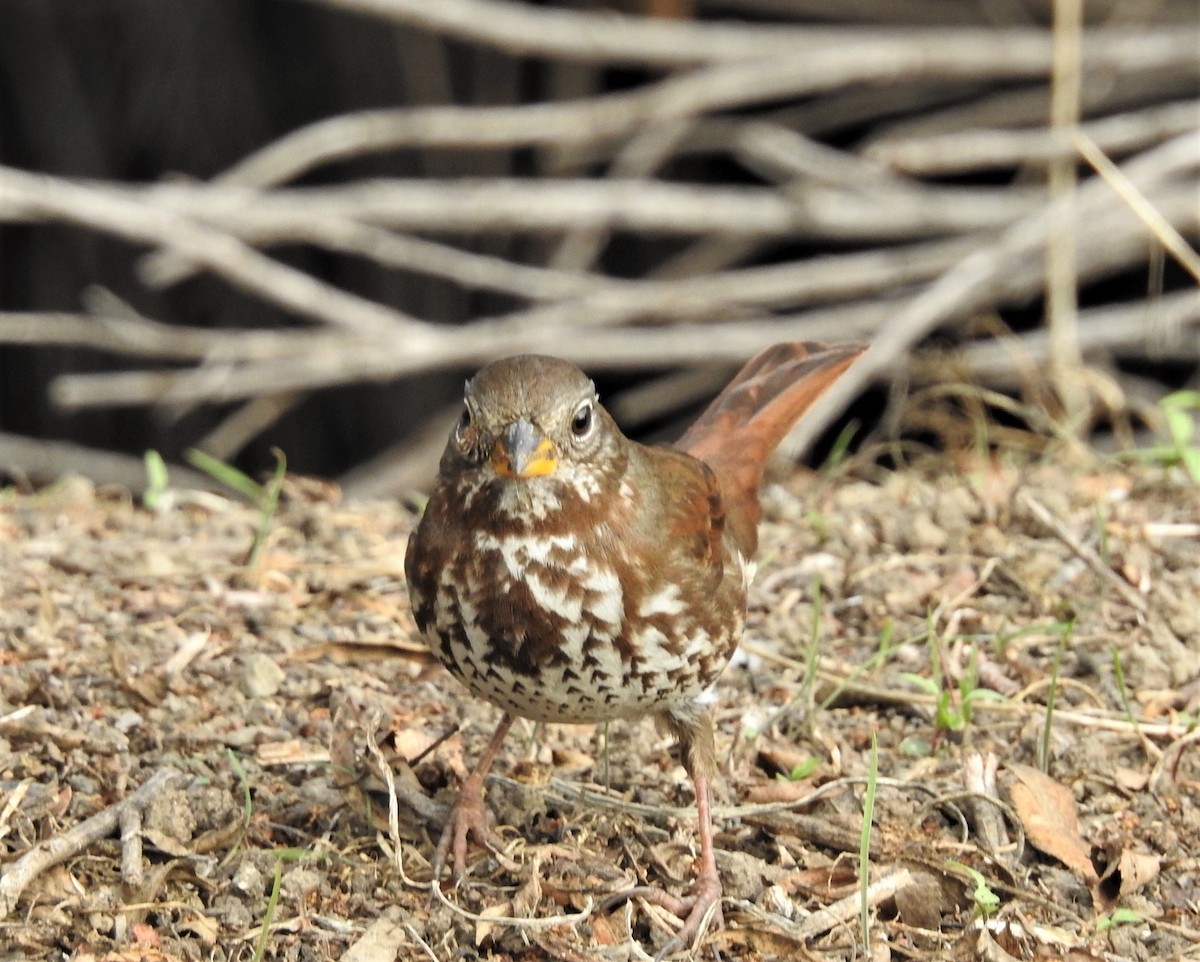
[533,421]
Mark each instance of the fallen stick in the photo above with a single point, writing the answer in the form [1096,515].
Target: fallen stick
[845,909]
[1085,553]
[45,856]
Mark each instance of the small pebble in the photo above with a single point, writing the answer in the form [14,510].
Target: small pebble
[261,676]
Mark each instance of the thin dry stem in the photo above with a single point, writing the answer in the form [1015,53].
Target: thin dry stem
[1163,230]
[1062,306]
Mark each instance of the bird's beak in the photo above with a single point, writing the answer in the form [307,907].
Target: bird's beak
[522,451]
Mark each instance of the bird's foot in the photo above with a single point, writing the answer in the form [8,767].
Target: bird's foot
[700,910]
[467,820]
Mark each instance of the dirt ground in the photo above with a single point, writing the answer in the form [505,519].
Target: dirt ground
[256,702]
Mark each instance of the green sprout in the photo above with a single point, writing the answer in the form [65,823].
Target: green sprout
[986,901]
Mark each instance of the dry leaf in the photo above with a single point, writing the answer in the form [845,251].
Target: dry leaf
[62,801]
[781,760]
[291,752]
[1047,811]
[829,882]
[1127,872]
[778,790]
[379,943]
[1055,939]
[1131,779]
[365,652]
[1137,870]
[145,935]
[483,927]
[525,902]
[167,843]
[204,927]
[411,743]
[570,759]
[559,947]
[148,685]
[604,933]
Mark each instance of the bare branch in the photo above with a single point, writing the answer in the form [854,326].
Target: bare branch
[1172,321]
[46,855]
[480,206]
[44,460]
[390,249]
[39,197]
[143,338]
[523,30]
[968,150]
[909,254]
[972,281]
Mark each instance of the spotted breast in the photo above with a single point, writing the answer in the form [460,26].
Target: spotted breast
[604,589]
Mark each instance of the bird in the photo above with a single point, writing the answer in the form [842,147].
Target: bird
[566,573]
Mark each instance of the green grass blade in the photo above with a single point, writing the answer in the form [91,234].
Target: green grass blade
[157,479]
[267,507]
[225,474]
[864,847]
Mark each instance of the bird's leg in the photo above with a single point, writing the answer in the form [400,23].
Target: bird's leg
[700,909]
[468,818]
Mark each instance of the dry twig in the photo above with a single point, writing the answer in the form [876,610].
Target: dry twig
[57,850]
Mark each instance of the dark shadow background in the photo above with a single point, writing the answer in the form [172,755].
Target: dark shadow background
[140,90]
[146,89]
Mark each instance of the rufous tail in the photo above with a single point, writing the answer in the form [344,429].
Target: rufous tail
[745,422]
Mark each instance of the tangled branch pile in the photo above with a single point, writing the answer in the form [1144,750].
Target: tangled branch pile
[684,189]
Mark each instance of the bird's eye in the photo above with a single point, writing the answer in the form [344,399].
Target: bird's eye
[464,419]
[581,422]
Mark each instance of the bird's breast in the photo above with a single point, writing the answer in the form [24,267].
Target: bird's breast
[562,626]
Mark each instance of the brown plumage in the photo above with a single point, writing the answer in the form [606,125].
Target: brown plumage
[742,427]
[568,574]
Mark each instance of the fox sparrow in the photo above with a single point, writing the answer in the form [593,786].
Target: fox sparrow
[568,574]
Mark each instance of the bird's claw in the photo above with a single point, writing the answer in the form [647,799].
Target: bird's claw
[467,820]
[700,910]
